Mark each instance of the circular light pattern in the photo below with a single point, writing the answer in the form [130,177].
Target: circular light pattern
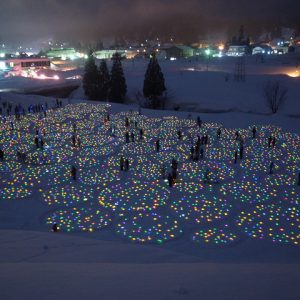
[137,149]
[191,187]
[69,195]
[10,192]
[207,192]
[218,235]
[148,170]
[200,208]
[134,196]
[80,219]
[149,227]
[209,170]
[290,196]
[249,192]
[272,221]
[49,156]
[97,177]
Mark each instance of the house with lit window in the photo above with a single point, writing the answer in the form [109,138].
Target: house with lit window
[179,51]
[237,50]
[24,66]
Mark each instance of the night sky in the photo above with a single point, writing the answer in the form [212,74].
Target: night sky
[28,20]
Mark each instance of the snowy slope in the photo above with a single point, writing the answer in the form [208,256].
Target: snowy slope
[127,235]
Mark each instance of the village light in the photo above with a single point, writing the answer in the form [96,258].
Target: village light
[2,65]
[221,47]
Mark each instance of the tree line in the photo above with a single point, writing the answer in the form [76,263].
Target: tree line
[100,84]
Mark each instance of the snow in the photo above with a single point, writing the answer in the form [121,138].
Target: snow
[127,235]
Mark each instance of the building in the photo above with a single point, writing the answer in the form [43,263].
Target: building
[24,66]
[262,50]
[237,50]
[108,54]
[179,51]
[63,53]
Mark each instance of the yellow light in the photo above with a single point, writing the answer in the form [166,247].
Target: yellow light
[293,74]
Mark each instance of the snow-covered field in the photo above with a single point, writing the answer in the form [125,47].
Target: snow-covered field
[198,85]
[223,231]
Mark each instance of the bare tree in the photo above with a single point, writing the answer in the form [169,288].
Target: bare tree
[275,94]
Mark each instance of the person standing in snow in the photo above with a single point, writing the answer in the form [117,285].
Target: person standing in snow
[141,133]
[126,122]
[199,121]
[235,156]
[254,132]
[54,227]
[241,151]
[157,145]
[192,151]
[122,163]
[219,132]
[127,137]
[36,141]
[174,164]
[79,142]
[270,139]
[74,172]
[42,144]
[271,168]
[1,155]
[74,140]
[174,175]
[237,135]
[132,137]
[179,134]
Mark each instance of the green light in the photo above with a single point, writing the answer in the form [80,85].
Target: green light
[207,51]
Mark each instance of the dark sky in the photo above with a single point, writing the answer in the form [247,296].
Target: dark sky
[185,19]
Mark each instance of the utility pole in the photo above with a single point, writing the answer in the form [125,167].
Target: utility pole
[240,69]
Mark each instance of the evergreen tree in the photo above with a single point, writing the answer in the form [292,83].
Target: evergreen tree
[154,83]
[118,87]
[91,79]
[104,80]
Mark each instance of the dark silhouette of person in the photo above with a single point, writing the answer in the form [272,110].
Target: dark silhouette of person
[54,227]
[235,156]
[74,172]
[157,144]
[1,155]
[254,132]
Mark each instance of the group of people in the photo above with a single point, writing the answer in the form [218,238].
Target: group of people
[197,151]
[19,110]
